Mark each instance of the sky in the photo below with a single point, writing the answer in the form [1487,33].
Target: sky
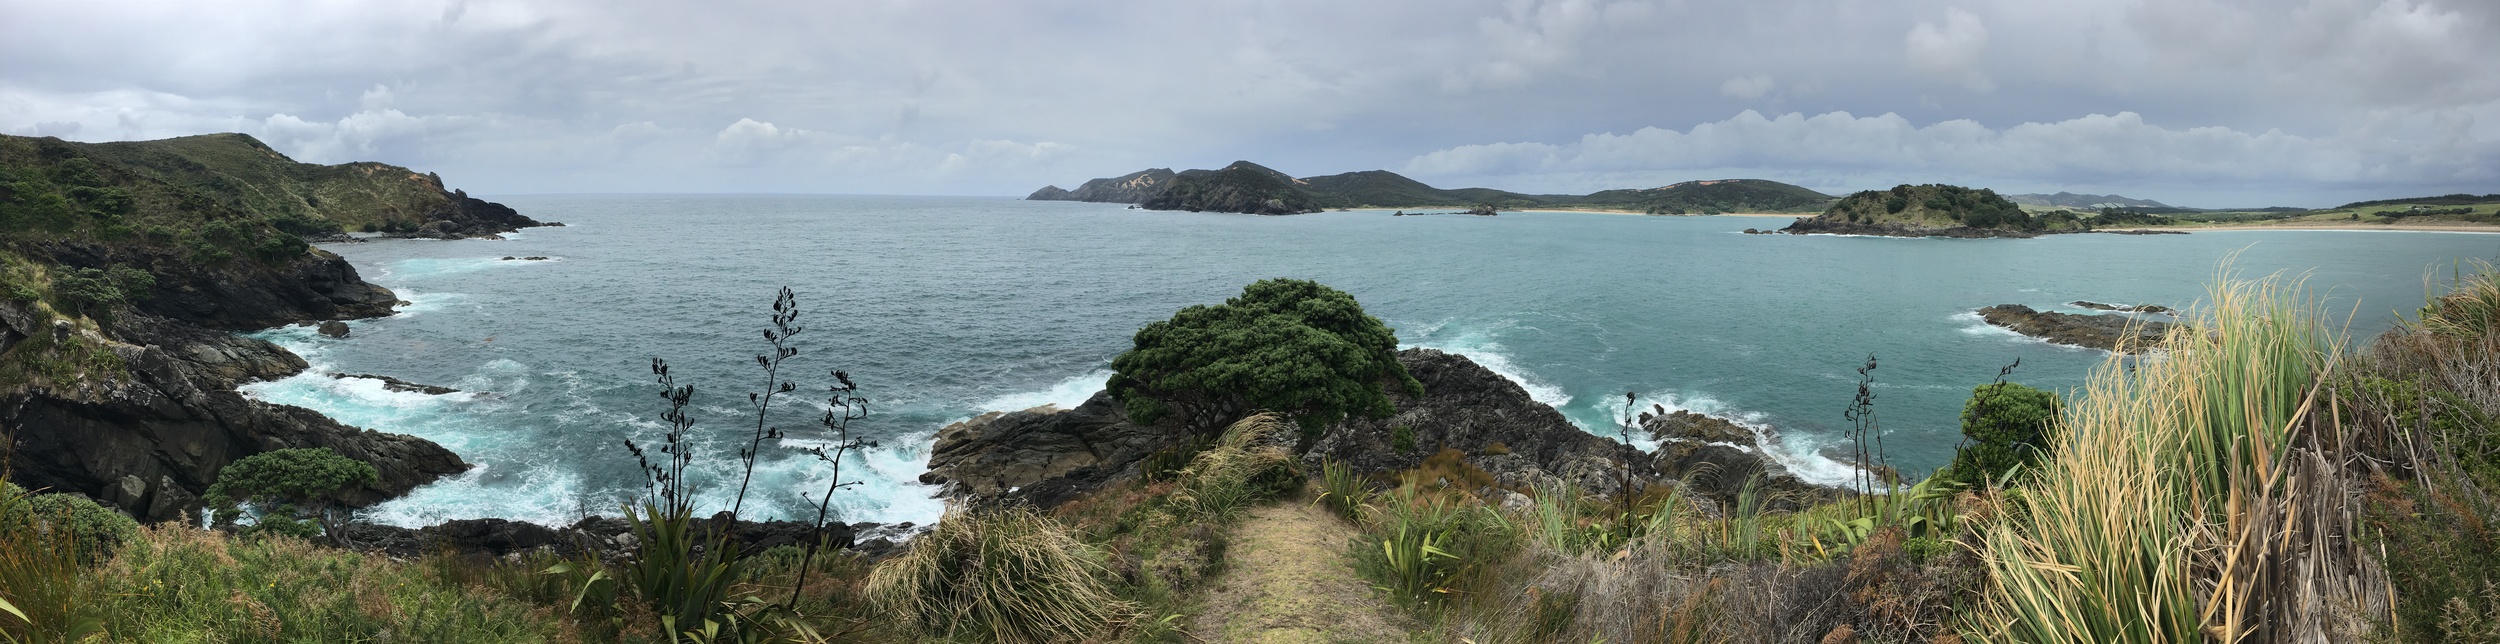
[2209,103]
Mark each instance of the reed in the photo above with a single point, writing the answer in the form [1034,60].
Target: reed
[1002,575]
[2194,494]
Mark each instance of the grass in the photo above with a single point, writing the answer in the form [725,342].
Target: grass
[2192,495]
[1001,575]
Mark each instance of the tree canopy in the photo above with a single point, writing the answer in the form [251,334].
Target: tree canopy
[283,482]
[1294,347]
[2006,425]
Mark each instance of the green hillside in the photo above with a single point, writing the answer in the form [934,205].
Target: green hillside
[244,174]
[1711,198]
[1242,187]
[53,191]
[1933,209]
[1385,189]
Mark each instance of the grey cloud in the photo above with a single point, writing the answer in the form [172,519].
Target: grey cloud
[996,97]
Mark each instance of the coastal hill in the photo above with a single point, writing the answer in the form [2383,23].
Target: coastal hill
[125,268]
[1385,189]
[241,173]
[1933,210]
[2086,202]
[1242,187]
[1133,187]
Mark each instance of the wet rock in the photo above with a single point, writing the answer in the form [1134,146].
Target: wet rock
[334,328]
[2104,332]
[395,384]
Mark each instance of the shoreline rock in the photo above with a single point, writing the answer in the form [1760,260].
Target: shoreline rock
[395,384]
[2125,308]
[2104,332]
[609,537]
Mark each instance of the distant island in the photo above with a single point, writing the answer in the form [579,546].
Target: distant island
[1245,187]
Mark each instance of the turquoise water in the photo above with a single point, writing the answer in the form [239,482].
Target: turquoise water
[943,308]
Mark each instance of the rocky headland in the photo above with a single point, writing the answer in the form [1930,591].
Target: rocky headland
[119,353]
[1253,192]
[2104,332]
[1048,456]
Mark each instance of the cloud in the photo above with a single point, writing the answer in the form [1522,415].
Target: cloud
[2096,149]
[1537,36]
[1952,52]
[1747,87]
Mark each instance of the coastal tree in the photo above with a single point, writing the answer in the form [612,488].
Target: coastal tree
[285,487]
[2005,426]
[1294,347]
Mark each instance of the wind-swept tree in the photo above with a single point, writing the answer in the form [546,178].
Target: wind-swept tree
[1290,346]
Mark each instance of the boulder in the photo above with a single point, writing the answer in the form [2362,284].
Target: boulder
[1064,452]
[1465,407]
[334,328]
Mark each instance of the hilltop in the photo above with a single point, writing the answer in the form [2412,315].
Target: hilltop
[1385,189]
[1933,210]
[241,173]
[2087,202]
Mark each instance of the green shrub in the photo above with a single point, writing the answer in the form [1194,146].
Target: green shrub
[1402,439]
[2005,426]
[1002,575]
[97,531]
[288,486]
[1341,491]
[1295,347]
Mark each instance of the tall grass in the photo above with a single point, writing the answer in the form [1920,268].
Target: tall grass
[2190,495]
[1005,575]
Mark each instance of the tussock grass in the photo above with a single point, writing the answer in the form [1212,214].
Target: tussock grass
[1005,575]
[2197,494]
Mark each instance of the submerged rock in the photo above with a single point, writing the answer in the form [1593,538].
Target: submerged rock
[333,328]
[2104,332]
[2124,308]
[395,384]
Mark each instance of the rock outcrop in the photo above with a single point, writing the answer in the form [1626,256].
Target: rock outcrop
[1043,455]
[1717,458]
[2104,332]
[2124,308]
[1501,430]
[152,443]
[1134,187]
[1242,187]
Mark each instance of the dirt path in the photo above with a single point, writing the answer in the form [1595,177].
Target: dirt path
[1287,580]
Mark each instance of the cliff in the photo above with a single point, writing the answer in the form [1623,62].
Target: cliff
[118,293]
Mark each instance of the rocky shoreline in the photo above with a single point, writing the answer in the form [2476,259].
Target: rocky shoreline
[2104,332]
[1046,456]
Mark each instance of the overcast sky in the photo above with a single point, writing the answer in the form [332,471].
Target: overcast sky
[2193,102]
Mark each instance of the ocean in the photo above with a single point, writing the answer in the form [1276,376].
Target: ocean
[942,308]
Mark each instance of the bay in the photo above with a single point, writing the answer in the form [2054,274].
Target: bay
[946,307]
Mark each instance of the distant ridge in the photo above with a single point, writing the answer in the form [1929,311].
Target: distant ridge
[1251,188]
[2092,202]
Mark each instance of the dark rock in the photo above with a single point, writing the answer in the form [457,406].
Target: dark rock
[1716,457]
[395,384]
[334,328]
[163,426]
[2124,308]
[2104,332]
[1469,408]
[1821,226]
[1044,449]
[238,296]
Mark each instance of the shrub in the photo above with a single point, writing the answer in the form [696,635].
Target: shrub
[1402,439]
[1295,347]
[286,485]
[96,531]
[1341,491]
[2005,426]
[1004,575]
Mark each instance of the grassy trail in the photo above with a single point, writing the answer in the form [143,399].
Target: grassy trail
[1286,579]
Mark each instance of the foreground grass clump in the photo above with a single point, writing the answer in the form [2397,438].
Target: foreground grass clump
[1002,575]
[2198,494]
[178,584]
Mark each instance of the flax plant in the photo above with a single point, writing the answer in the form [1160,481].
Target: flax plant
[2186,497]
